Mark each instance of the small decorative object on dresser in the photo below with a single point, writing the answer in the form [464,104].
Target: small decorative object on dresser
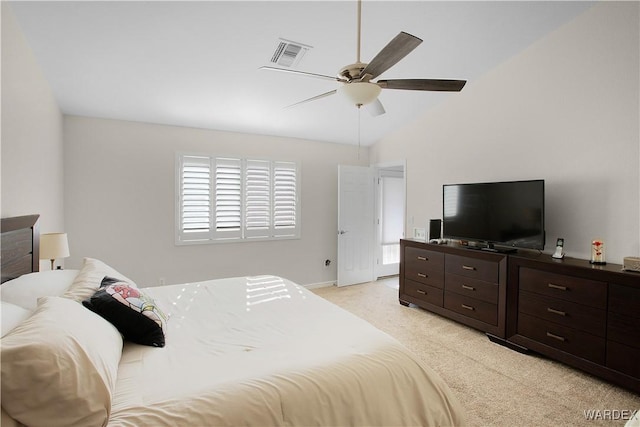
[631,263]
[597,252]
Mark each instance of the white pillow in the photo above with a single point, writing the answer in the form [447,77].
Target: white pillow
[88,280]
[25,290]
[12,316]
[59,367]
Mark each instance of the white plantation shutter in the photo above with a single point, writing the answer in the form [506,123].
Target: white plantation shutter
[195,198]
[228,198]
[257,196]
[285,199]
[231,199]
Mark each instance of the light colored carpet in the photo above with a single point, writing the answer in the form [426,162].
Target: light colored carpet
[496,385]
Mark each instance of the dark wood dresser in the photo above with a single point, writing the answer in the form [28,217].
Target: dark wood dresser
[464,285]
[584,315]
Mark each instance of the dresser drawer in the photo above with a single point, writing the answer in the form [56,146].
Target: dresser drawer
[573,341]
[426,293]
[424,266]
[471,307]
[624,300]
[479,269]
[623,358]
[576,316]
[473,288]
[624,329]
[582,291]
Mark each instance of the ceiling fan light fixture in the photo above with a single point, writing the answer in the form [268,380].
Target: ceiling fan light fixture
[360,93]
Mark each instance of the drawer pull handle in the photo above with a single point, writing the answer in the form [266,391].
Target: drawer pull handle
[424,276]
[423,258]
[551,310]
[556,337]
[467,307]
[469,288]
[554,286]
[468,267]
[421,292]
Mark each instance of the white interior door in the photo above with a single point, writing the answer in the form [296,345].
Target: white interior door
[355,225]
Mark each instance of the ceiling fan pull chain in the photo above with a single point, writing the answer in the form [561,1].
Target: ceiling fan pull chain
[359,110]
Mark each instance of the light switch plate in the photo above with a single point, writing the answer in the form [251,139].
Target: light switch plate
[419,233]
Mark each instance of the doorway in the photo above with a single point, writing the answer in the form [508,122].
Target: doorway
[390,212]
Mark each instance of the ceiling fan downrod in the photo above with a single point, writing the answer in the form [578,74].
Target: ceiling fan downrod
[359,31]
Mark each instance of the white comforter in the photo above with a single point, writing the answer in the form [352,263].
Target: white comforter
[265,351]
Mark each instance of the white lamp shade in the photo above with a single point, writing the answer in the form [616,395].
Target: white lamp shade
[54,246]
[360,93]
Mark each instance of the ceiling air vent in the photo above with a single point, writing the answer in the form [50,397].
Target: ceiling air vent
[288,53]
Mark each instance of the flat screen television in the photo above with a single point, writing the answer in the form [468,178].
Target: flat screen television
[498,215]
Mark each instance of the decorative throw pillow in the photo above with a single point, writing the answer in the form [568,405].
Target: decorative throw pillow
[135,314]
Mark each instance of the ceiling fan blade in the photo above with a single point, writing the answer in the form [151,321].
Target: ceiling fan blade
[313,98]
[375,108]
[303,73]
[399,47]
[436,85]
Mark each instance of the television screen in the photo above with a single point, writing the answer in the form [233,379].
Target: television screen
[501,213]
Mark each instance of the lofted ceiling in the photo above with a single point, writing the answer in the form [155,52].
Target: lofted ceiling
[196,64]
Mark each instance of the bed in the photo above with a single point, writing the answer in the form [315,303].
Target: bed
[258,350]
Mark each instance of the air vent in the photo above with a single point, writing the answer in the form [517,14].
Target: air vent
[288,54]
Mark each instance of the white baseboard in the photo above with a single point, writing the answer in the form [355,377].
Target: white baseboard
[319,285]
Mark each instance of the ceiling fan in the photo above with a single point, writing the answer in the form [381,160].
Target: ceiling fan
[356,79]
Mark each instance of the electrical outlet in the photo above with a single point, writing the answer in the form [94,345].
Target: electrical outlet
[419,233]
[161,281]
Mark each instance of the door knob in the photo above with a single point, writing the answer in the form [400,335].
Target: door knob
[341,232]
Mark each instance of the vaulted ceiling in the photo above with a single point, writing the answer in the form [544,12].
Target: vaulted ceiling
[196,64]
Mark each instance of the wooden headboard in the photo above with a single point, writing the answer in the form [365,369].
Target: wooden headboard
[20,242]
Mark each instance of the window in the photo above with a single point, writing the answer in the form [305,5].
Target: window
[231,199]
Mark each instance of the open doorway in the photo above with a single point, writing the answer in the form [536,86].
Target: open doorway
[390,212]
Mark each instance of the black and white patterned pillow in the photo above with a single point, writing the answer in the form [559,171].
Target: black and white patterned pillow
[134,314]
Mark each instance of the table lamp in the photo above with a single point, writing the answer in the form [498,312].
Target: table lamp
[53,246]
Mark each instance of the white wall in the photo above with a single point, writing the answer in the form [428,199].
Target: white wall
[32,159]
[120,195]
[566,110]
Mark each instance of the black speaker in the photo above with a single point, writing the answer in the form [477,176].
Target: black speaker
[435,225]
